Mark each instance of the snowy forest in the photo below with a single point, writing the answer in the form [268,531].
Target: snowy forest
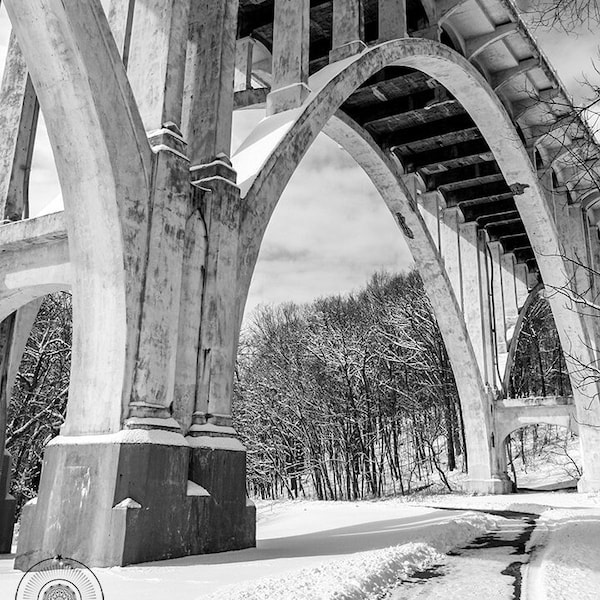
[346,397]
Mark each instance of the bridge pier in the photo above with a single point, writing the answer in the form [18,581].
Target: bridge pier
[161,248]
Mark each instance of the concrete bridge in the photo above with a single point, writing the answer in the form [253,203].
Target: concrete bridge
[448,106]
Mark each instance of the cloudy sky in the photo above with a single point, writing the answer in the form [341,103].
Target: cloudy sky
[330,230]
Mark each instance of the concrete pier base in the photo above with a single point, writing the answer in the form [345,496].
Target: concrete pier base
[129,498]
[495,485]
[7,506]
[218,464]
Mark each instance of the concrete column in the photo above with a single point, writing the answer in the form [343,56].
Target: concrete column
[511,310]
[291,38]
[451,221]
[496,252]
[577,247]
[593,242]
[489,342]
[431,205]
[392,20]
[192,290]
[521,283]
[218,465]
[18,121]
[156,63]
[348,29]
[209,76]
[154,374]
[473,292]
[574,239]
[244,50]
[219,324]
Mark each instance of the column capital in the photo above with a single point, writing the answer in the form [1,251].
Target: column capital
[168,138]
[470,227]
[220,168]
[209,425]
[415,184]
[152,420]
[496,245]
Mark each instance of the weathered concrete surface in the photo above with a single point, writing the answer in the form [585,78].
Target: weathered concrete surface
[291,31]
[347,29]
[131,490]
[209,75]
[18,121]
[105,163]
[219,465]
[512,414]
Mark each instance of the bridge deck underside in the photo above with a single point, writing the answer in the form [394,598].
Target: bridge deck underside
[431,134]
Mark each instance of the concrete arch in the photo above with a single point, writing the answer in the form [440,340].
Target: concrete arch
[560,418]
[104,163]
[475,401]
[270,155]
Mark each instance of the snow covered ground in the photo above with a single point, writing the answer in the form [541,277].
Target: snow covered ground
[357,550]
[567,564]
[304,550]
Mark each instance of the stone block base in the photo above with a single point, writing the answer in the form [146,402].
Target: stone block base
[490,486]
[110,501]
[7,506]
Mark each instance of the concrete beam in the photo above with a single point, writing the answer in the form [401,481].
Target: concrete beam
[477,45]
[291,41]
[520,108]
[501,78]
[510,418]
[446,8]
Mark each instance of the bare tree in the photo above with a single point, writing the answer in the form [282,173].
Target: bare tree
[37,408]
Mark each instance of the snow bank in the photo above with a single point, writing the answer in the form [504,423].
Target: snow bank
[567,565]
[365,574]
